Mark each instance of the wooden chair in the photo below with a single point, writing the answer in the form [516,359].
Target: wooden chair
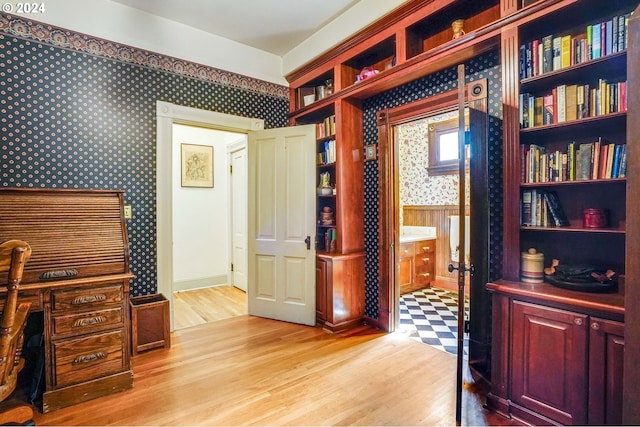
[13,255]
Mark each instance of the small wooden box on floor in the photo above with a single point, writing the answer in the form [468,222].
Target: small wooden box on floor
[150,322]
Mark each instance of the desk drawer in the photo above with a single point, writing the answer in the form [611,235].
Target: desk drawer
[78,299]
[84,323]
[83,359]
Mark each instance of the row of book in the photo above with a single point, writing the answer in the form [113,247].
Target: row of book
[593,160]
[326,128]
[541,208]
[572,102]
[328,153]
[329,238]
[553,53]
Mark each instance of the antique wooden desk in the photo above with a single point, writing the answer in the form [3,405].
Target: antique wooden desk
[78,276]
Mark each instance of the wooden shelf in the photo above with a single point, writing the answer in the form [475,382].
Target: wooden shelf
[574,230]
[588,121]
[578,182]
[585,70]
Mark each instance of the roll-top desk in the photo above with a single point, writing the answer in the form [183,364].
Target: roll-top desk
[78,275]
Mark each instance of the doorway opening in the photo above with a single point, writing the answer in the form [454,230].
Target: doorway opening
[169,186]
[209,225]
[428,207]
[472,96]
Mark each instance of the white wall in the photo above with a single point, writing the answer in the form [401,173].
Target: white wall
[350,22]
[200,215]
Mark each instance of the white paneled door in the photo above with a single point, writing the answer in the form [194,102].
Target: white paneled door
[282,216]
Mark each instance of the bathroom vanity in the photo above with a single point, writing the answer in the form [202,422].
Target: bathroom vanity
[417,256]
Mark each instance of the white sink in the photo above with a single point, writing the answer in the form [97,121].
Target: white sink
[414,233]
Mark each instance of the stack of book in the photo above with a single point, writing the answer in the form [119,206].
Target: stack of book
[593,160]
[542,209]
[572,102]
[553,53]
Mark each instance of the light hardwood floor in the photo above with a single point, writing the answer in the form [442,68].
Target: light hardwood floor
[248,370]
[200,306]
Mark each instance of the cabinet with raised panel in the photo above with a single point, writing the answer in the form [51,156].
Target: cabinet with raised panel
[417,265]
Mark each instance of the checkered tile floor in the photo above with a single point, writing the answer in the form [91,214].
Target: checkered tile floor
[430,316]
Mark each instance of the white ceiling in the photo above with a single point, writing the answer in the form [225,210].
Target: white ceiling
[275,26]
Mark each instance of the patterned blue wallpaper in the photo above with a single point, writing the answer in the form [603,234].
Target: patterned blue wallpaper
[79,112]
[486,66]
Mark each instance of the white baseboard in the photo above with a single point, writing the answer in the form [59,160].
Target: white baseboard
[205,282]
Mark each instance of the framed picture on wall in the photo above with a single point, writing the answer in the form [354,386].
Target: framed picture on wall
[197,165]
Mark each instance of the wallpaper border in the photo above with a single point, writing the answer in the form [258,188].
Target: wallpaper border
[17,26]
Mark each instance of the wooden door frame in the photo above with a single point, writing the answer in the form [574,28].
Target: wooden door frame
[389,216]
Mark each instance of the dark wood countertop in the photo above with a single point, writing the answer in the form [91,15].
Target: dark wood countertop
[597,303]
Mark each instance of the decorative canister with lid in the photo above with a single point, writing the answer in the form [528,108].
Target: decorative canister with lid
[595,218]
[532,266]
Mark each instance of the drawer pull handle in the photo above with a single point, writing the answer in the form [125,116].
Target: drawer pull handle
[595,326]
[91,357]
[425,259]
[425,248]
[87,321]
[578,321]
[425,274]
[88,299]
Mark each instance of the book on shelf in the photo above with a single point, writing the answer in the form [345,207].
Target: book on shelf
[602,164]
[554,52]
[572,102]
[326,128]
[328,154]
[583,161]
[623,162]
[547,54]
[540,208]
[596,49]
[555,209]
[565,51]
[561,102]
[586,161]
[595,159]
[556,46]
[525,208]
[549,111]
[615,168]
[538,111]
[330,236]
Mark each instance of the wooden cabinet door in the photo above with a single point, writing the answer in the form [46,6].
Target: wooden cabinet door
[549,362]
[406,268]
[606,360]
[322,277]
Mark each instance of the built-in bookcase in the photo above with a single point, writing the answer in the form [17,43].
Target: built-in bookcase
[572,109]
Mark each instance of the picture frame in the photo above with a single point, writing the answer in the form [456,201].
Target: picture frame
[196,165]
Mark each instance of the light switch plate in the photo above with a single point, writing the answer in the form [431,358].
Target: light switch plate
[370,152]
[127,212]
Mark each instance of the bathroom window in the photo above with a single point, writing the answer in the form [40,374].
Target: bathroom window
[443,147]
